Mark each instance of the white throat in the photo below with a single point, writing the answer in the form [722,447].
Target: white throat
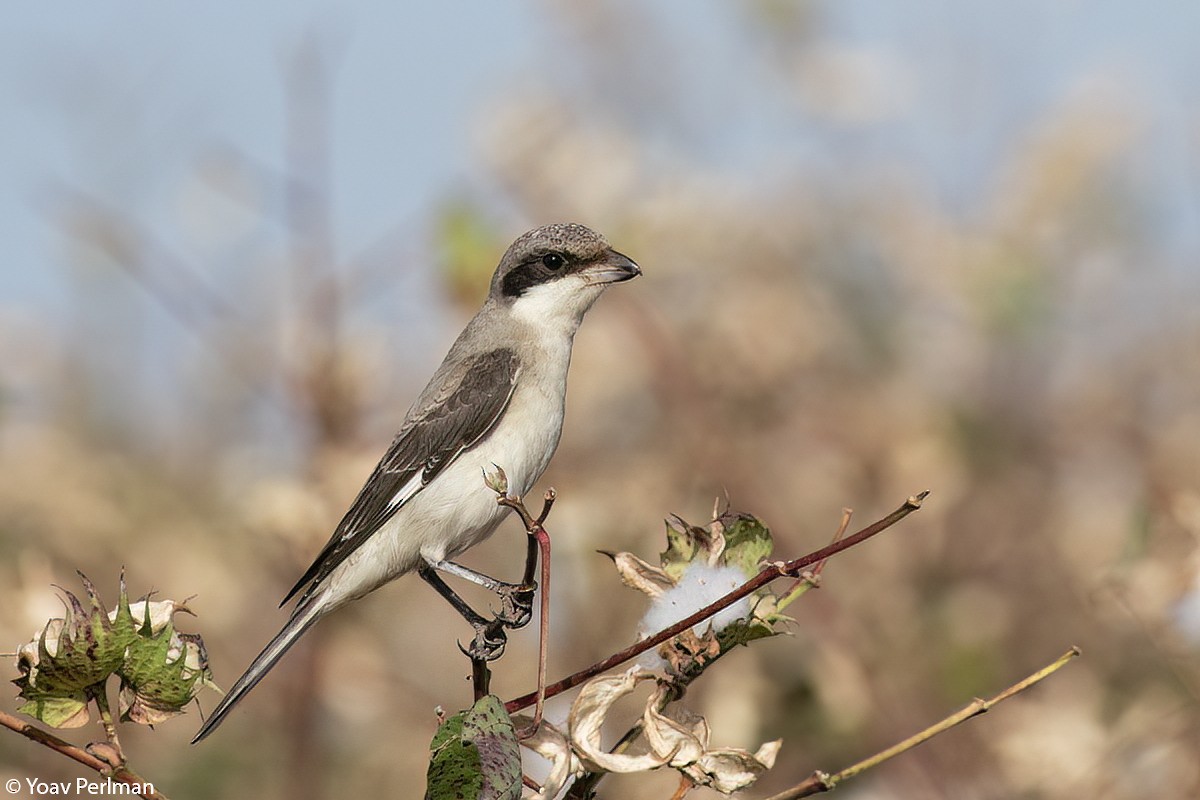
[556,308]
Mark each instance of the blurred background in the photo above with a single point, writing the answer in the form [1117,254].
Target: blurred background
[946,246]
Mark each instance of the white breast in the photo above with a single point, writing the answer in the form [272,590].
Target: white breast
[457,510]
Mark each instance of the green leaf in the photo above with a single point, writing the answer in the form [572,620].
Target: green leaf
[156,679]
[681,546]
[70,662]
[73,655]
[747,542]
[58,712]
[744,631]
[475,756]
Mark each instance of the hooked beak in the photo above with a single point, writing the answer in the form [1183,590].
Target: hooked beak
[613,268]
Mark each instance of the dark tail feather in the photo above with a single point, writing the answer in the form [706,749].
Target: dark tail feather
[301,620]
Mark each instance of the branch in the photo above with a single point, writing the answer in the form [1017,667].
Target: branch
[539,541]
[47,739]
[823,782]
[812,578]
[769,573]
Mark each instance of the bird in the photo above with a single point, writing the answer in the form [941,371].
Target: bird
[496,401]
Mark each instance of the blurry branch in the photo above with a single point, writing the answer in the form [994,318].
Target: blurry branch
[319,387]
[316,291]
[1183,677]
[820,782]
[771,572]
[165,276]
[316,283]
[364,273]
[47,739]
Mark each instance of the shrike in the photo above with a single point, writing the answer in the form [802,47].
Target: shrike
[496,400]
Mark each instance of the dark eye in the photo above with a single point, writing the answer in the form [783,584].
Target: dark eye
[552,261]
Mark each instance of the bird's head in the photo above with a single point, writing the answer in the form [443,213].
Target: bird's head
[557,272]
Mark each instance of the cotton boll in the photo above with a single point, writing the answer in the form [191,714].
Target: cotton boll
[699,585]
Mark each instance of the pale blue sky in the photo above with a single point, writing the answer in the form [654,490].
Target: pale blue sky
[182,77]
[112,97]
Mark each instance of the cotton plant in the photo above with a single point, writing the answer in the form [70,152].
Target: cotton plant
[65,668]
[675,738]
[699,566]
[710,591]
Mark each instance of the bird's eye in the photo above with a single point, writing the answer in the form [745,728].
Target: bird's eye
[552,261]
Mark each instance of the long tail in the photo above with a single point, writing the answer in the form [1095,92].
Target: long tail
[301,620]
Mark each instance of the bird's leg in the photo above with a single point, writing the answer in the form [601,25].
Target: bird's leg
[489,641]
[522,598]
[516,608]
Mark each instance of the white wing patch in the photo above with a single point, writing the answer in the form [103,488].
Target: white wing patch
[407,490]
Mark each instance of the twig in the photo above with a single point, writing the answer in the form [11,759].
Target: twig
[823,782]
[106,719]
[685,785]
[769,573]
[812,579]
[47,739]
[178,287]
[481,678]
[843,526]
[537,534]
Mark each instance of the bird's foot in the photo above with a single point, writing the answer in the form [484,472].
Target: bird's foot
[489,641]
[516,608]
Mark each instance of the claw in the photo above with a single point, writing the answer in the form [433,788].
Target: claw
[488,644]
[516,610]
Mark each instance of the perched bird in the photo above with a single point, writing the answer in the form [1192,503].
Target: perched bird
[497,400]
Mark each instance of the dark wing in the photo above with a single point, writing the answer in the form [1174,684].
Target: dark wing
[451,422]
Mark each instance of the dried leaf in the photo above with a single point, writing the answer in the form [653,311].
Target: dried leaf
[677,737]
[637,574]
[587,716]
[732,769]
[677,742]
[716,542]
[552,744]
[688,653]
